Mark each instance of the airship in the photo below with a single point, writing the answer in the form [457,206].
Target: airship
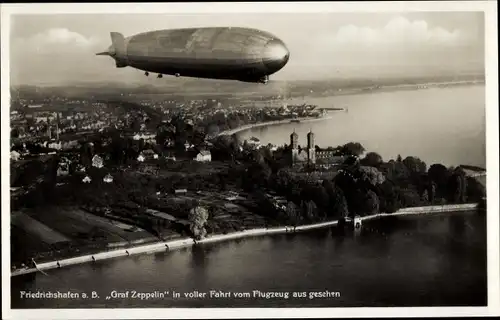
[230,53]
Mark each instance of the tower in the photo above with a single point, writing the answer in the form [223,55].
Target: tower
[310,140]
[311,149]
[294,143]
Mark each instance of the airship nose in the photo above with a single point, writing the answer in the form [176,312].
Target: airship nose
[275,55]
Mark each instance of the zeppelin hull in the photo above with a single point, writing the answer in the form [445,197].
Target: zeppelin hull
[224,53]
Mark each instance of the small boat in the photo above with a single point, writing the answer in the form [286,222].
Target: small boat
[295,121]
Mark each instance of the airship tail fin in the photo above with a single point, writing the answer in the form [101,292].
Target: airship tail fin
[118,42]
[119,51]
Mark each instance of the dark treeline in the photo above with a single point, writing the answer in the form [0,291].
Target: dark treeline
[359,186]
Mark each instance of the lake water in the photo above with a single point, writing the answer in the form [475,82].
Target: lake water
[412,261]
[438,125]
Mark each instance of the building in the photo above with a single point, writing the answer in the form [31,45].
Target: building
[54,145]
[108,178]
[204,156]
[63,169]
[169,155]
[253,141]
[312,155]
[188,146]
[180,191]
[170,158]
[86,179]
[69,144]
[147,137]
[15,156]
[149,154]
[97,161]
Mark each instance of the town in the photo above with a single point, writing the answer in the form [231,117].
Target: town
[89,175]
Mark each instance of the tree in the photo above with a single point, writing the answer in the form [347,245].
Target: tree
[310,210]
[282,180]
[388,197]
[198,217]
[409,197]
[353,148]
[293,212]
[431,191]
[371,203]
[14,133]
[267,153]
[425,196]
[458,186]
[118,150]
[339,208]
[86,154]
[258,157]
[135,125]
[415,165]
[372,159]
[354,189]
[397,172]
[439,174]
[372,175]
[198,137]
[329,188]
[164,131]
[213,129]
[475,190]
[222,182]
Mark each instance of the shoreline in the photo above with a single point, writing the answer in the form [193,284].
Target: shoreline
[270,123]
[356,91]
[166,246]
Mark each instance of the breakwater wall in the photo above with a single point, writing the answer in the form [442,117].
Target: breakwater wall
[188,242]
[425,210]
[270,123]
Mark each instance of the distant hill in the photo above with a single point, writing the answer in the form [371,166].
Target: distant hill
[210,88]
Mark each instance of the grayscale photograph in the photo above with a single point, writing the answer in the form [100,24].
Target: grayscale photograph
[247,160]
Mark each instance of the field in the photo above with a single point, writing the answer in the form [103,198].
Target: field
[124,231]
[64,231]
[234,213]
[24,245]
[73,228]
[36,229]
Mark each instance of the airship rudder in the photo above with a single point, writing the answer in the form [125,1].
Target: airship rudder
[117,50]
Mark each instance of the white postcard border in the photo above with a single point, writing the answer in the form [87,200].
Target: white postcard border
[491,63]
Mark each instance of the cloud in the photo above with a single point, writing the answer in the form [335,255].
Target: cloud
[56,40]
[56,53]
[398,32]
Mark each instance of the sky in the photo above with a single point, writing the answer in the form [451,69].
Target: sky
[60,49]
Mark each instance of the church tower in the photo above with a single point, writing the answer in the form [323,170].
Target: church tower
[294,144]
[311,149]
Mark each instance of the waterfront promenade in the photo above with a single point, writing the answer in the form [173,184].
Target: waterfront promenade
[270,123]
[188,242]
